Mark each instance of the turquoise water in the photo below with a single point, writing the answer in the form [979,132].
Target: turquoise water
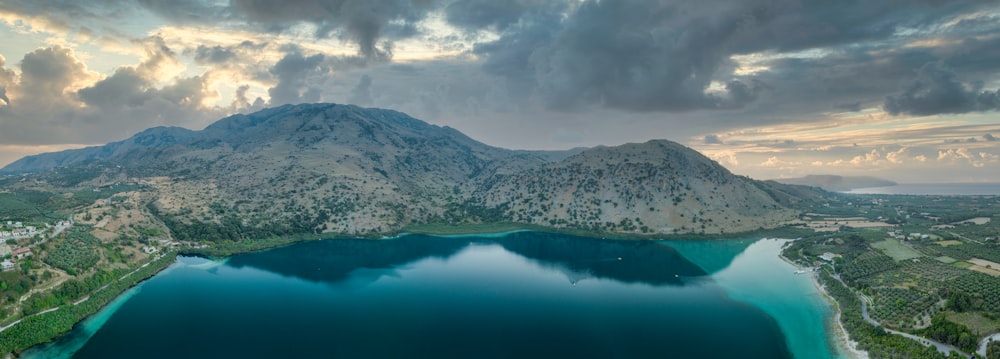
[757,276]
[526,294]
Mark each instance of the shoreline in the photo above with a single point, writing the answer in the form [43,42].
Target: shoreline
[841,339]
[845,345]
[35,330]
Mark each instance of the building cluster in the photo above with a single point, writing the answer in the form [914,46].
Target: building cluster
[17,230]
[900,235]
[15,254]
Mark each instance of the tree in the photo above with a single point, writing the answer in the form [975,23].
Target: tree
[993,350]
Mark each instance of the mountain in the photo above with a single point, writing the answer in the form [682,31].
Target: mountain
[653,187]
[348,170]
[837,183]
[153,137]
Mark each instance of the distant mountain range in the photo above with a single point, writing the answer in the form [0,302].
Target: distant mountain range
[349,170]
[838,183]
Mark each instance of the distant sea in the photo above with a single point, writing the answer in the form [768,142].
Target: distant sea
[943,189]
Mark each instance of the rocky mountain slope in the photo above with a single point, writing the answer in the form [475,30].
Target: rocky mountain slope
[153,137]
[653,187]
[355,171]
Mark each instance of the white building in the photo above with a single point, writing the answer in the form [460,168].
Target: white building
[7,265]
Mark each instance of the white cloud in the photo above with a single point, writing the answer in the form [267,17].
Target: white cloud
[896,157]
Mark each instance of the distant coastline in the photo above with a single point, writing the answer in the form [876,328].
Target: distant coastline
[933,189]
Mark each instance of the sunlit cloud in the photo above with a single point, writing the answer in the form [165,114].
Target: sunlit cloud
[805,90]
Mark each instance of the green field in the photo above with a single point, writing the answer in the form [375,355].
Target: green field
[963,265]
[945,259]
[898,251]
[975,321]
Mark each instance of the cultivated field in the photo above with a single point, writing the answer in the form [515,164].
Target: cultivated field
[898,251]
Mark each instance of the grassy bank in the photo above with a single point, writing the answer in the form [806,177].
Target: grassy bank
[44,327]
[41,328]
[876,341]
[480,228]
[226,248]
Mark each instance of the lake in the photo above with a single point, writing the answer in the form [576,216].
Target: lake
[521,294]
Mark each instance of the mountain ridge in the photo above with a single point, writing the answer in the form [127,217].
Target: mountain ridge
[343,169]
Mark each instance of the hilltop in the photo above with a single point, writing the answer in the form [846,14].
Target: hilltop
[347,170]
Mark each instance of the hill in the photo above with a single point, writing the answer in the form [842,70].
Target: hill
[346,170]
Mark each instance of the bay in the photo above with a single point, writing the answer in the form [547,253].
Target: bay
[524,294]
[934,189]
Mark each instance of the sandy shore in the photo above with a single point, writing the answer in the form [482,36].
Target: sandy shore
[845,347]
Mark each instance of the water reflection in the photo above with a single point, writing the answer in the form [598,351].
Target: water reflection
[338,261]
[466,297]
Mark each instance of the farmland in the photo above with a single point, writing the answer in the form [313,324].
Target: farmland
[898,251]
[934,273]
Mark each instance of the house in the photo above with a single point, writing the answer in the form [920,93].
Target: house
[828,256]
[21,253]
[7,265]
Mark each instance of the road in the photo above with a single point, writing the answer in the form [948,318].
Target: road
[941,347]
[982,344]
[964,237]
[81,300]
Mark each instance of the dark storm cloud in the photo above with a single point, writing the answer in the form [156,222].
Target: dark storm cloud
[372,25]
[936,90]
[639,55]
[71,13]
[663,56]
[47,73]
[849,107]
[186,11]
[364,22]
[293,72]
[217,54]
[126,87]
[498,15]
[361,94]
[790,25]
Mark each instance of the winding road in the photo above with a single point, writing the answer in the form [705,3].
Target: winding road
[943,348]
[985,342]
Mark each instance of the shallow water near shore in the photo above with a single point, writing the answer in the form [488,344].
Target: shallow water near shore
[526,294]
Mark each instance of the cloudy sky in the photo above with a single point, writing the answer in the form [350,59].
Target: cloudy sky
[905,90]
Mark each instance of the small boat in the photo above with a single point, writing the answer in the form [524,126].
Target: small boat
[800,271]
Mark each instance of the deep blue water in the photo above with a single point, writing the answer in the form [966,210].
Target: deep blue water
[526,294]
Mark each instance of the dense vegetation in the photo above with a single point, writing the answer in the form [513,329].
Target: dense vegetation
[920,276]
[72,256]
[875,340]
[43,327]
